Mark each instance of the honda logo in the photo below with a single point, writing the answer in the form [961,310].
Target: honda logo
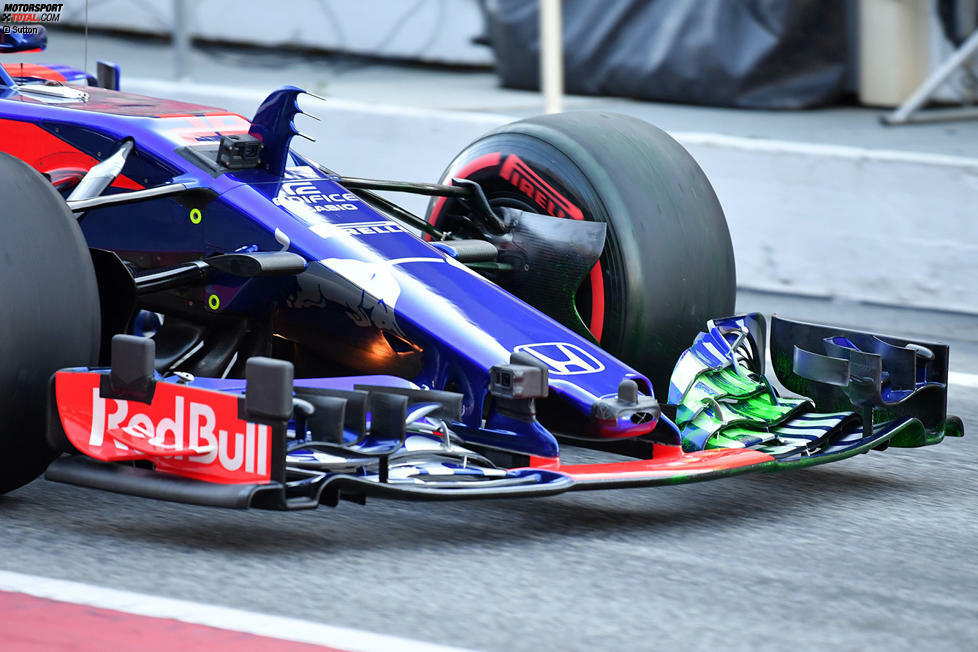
[562,358]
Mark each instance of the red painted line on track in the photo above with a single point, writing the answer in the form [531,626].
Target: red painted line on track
[32,624]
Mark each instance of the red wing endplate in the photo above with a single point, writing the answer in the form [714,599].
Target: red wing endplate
[187,431]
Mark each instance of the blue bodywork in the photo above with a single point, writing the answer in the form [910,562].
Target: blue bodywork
[369,281]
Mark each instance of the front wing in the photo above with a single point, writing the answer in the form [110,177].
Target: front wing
[275,442]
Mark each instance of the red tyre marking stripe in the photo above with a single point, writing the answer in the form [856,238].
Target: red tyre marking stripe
[484,161]
[31,623]
[597,302]
[66,177]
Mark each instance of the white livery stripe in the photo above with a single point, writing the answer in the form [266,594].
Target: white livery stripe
[414,259]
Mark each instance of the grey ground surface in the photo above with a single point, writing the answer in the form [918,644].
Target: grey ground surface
[875,552]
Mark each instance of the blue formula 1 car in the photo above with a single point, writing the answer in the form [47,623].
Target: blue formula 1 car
[194,311]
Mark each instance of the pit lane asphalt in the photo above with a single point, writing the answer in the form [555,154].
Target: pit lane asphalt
[875,552]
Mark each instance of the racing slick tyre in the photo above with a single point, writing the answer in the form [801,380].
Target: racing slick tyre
[667,265]
[49,313]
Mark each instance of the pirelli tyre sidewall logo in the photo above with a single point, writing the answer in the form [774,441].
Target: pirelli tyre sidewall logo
[563,358]
[533,186]
[17,16]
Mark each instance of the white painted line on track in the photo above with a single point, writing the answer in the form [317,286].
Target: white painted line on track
[489,119]
[280,627]
[845,152]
